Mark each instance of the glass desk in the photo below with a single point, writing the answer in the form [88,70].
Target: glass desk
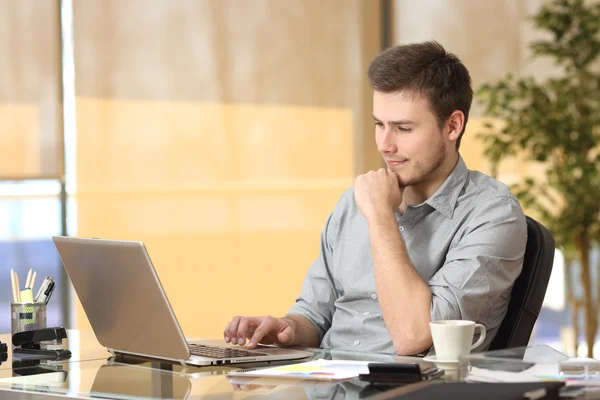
[511,364]
[83,346]
[92,372]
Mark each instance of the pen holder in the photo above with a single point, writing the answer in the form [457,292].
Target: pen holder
[27,316]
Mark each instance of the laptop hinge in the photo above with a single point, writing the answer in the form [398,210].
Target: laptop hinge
[123,356]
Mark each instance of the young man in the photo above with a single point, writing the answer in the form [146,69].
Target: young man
[423,239]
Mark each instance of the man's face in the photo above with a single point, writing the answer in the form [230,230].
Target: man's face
[408,136]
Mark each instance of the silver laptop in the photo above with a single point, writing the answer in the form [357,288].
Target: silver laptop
[129,310]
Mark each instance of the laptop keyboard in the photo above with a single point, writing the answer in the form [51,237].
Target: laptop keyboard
[221,352]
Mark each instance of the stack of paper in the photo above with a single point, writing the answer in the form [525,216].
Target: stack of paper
[328,370]
[538,372]
[571,371]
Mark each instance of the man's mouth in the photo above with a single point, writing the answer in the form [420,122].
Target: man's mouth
[395,163]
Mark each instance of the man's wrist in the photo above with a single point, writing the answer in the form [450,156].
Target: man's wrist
[290,321]
[381,216]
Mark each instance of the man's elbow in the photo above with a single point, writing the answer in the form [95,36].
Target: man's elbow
[412,344]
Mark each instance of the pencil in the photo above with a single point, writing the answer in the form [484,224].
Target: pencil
[14,285]
[28,280]
[32,281]
[18,287]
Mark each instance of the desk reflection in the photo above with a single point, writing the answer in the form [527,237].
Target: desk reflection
[140,382]
[92,373]
[350,389]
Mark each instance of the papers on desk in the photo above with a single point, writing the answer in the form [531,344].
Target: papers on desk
[535,373]
[568,371]
[539,364]
[328,370]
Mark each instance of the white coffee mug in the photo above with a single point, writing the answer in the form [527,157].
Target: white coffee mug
[454,338]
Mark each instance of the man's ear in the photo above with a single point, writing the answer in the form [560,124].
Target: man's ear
[455,125]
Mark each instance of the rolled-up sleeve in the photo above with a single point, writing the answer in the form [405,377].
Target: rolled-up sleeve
[480,269]
[318,294]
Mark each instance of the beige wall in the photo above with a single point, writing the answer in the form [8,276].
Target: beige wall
[30,111]
[491,38]
[221,133]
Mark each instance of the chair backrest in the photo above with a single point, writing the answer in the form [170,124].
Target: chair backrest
[529,290]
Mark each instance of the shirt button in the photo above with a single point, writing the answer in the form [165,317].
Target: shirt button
[366,313]
[356,342]
[373,296]
[401,228]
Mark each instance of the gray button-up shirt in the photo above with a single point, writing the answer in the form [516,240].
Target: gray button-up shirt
[467,242]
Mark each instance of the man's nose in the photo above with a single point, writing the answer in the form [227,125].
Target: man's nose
[386,142]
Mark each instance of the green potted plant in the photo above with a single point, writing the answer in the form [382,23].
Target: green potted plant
[556,123]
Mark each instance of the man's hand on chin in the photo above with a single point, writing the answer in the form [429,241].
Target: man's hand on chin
[377,193]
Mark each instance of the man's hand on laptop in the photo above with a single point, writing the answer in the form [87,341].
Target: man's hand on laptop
[263,330]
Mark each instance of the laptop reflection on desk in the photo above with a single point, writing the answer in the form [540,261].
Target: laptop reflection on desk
[140,382]
[130,313]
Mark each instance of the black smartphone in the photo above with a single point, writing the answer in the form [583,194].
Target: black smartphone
[395,368]
[393,373]
[399,373]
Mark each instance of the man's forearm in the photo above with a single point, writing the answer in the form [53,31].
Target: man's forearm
[404,298]
[306,333]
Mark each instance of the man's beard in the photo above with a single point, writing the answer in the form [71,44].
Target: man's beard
[424,172]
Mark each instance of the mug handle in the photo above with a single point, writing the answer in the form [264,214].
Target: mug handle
[481,336]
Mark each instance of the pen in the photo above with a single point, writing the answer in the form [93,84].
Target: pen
[48,293]
[43,288]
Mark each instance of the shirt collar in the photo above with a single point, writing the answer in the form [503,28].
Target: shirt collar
[444,199]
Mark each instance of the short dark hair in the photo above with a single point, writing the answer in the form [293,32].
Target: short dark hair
[425,68]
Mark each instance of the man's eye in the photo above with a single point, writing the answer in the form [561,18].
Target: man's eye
[378,124]
[404,129]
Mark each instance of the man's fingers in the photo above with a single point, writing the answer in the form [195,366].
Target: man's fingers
[231,330]
[226,333]
[266,326]
[258,330]
[243,329]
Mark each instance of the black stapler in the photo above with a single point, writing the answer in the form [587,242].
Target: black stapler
[3,352]
[30,342]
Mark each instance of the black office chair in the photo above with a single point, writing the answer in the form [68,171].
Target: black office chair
[529,290]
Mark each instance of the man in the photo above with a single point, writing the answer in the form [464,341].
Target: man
[424,239]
